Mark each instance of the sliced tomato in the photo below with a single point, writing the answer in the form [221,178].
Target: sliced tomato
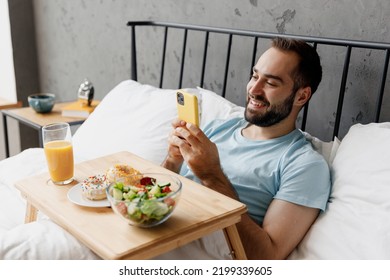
[169,201]
[166,189]
[147,181]
[122,208]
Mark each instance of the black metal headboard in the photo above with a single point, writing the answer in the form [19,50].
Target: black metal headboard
[236,35]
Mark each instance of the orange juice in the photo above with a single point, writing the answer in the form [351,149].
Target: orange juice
[59,157]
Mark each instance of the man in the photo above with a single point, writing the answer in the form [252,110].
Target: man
[263,160]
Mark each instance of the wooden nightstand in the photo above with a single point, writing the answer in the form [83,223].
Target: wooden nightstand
[29,117]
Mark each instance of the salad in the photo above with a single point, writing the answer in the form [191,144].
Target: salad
[145,202]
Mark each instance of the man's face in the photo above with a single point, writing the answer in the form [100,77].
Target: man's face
[270,95]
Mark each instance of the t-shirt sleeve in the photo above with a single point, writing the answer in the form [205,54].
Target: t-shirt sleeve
[305,180]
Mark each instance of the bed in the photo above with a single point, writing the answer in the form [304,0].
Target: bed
[346,121]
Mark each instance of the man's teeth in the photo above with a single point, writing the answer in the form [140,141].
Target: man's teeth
[257,103]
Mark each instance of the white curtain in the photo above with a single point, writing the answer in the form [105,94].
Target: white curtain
[7,72]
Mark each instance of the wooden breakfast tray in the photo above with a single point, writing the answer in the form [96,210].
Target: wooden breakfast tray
[200,212]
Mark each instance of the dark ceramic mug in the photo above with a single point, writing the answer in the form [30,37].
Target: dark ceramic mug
[41,102]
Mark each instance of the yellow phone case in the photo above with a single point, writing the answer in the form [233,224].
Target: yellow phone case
[187,107]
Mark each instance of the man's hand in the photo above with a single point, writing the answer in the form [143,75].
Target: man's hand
[174,159]
[197,150]
[202,158]
[187,142]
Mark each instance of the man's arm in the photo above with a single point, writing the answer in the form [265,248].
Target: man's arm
[285,224]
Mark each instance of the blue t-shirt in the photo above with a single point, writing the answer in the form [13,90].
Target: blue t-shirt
[285,168]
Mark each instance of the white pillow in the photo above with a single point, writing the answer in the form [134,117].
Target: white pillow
[137,118]
[327,149]
[356,223]
[132,117]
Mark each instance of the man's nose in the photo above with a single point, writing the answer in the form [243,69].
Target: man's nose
[256,87]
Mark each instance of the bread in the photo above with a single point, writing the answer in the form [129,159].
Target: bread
[123,173]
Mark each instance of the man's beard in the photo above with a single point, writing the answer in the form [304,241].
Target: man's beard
[273,115]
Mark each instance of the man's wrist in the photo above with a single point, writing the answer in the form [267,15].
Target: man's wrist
[221,184]
[172,164]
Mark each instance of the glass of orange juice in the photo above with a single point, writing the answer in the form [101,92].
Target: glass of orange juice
[57,143]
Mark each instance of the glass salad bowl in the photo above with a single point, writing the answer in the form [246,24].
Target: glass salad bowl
[147,201]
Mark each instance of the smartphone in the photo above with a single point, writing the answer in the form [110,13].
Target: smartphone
[187,107]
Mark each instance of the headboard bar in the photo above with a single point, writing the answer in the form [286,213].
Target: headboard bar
[205,48]
[183,56]
[133,73]
[269,35]
[342,91]
[382,86]
[229,49]
[349,45]
[254,53]
[163,56]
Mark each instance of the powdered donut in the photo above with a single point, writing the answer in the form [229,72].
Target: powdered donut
[94,187]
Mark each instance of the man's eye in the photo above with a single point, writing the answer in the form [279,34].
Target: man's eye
[271,84]
[254,77]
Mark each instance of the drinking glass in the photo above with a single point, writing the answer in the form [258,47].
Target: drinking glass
[57,143]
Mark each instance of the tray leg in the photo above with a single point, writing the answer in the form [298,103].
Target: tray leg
[31,213]
[234,242]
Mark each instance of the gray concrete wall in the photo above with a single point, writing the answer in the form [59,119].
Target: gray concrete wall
[77,39]
[80,38]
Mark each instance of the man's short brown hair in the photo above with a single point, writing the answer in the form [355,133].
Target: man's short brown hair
[309,69]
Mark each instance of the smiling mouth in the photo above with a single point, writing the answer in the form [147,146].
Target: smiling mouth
[255,102]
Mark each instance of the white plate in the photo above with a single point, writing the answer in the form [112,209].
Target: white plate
[75,195]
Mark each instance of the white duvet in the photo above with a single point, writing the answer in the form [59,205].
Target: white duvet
[42,239]
[355,226]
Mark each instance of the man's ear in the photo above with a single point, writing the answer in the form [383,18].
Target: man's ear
[303,95]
